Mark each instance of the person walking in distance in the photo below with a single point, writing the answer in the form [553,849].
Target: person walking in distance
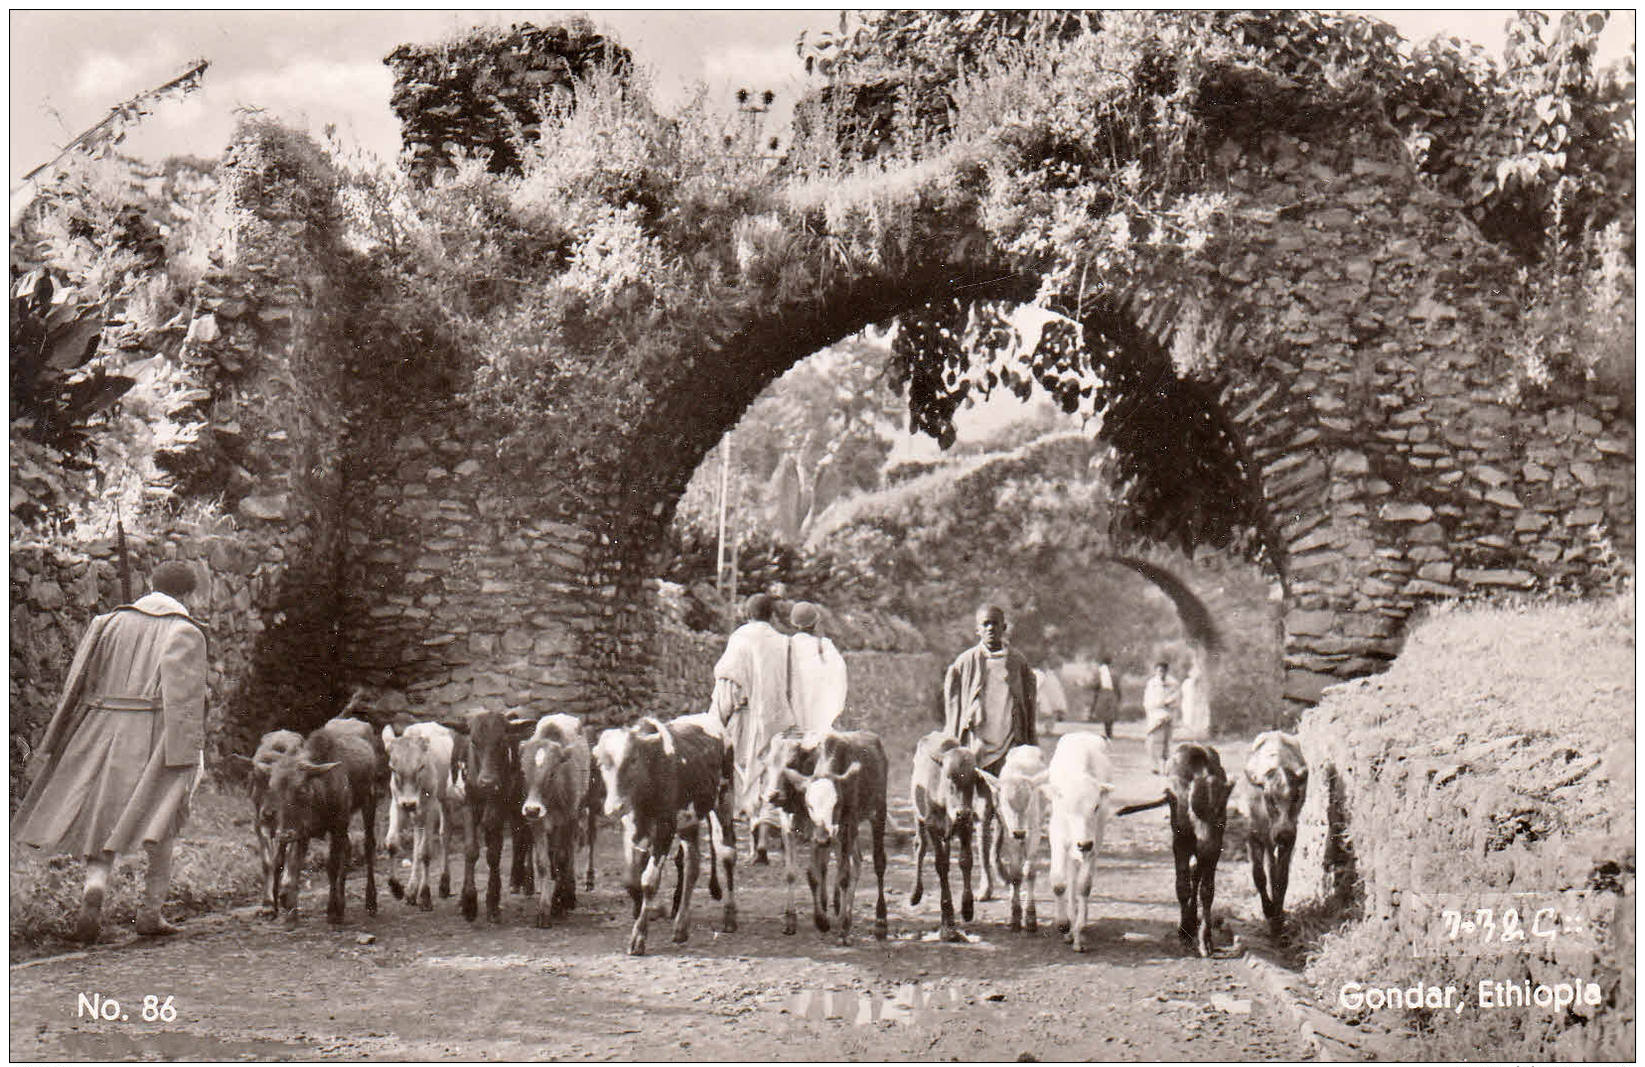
[1159,698]
[125,748]
[1105,698]
[990,703]
[819,681]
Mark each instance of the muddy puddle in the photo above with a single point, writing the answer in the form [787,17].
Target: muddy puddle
[909,1004]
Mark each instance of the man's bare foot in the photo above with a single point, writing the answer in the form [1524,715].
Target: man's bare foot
[90,923]
[153,925]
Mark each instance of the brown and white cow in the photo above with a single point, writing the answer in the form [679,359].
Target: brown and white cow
[1078,782]
[845,786]
[485,765]
[1197,794]
[1276,784]
[668,780]
[270,748]
[421,792]
[790,751]
[1020,796]
[945,790]
[315,792]
[555,764]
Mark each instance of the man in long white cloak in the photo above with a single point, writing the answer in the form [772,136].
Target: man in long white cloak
[751,696]
[819,686]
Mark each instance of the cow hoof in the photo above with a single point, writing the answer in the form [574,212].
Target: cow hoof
[494,915]
[880,930]
[1031,924]
[1016,924]
[914,897]
[1063,926]
[588,883]
[1079,944]
[790,924]
[845,939]
[371,906]
[822,923]
[445,885]
[728,924]
[682,936]
[761,859]
[636,946]
[968,908]
[425,899]
[470,906]
[544,920]
[396,888]
[954,936]
[266,911]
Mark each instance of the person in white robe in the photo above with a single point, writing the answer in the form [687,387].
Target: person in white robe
[819,676]
[752,683]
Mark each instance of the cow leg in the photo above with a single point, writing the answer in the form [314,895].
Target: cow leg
[1031,919]
[448,826]
[939,860]
[689,841]
[662,844]
[850,860]
[1258,851]
[634,860]
[791,874]
[274,859]
[433,823]
[1205,872]
[419,859]
[990,848]
[817,875]
[565,863]
[723,858]
[296,860]
[471,853]
[922,836]
[1280,879]
[1183,852]
[520,878]
[336,874]
[1016,906]
[968,907]
[588,879]
[494,866]
[368,816]
[395,830]
[881,928]
[539,855]
[1084,864]
[679,883]
[1059,877]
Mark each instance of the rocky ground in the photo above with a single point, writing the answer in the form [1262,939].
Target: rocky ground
[410,985]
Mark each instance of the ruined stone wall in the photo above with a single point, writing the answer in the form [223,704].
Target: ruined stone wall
[263,437]
[1394,467]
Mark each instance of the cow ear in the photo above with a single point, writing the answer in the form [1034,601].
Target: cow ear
[521,727]
[1104,789]
[248,759]
[795,778]
[989,782]
[1038,781]
[388,734]
[459,726]
[314,770]
[849,773]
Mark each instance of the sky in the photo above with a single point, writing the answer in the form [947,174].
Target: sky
[315,67]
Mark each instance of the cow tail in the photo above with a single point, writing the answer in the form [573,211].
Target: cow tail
[663,731]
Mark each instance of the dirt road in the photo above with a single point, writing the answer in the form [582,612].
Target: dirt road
[431,986]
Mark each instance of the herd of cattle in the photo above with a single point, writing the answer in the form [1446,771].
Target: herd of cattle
[670,784]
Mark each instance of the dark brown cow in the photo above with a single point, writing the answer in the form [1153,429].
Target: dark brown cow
[270,748]
[667,780]
[945,790]
[1276,778]
[485,765]
[556,766]
[845,787]
[1197,795]
[315,792]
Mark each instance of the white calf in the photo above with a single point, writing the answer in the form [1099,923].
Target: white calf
[421,790]
[1020,790]
[1078,782]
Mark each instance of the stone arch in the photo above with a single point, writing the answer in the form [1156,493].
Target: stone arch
[1354,319]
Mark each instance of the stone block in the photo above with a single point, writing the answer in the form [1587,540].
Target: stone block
[1489,475]
[1534,472]
[1498,577]
[1422,587]
[1311,622]
[1435,572]
[1305,687]
[1405,511]
[1584,517]
[1502,498]
[270,507]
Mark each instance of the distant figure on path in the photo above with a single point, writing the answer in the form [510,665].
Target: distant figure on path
[124,749]
[1050,695]
[1105,698]
[990,702]
[819,679]
[1159,697]
[751,686]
